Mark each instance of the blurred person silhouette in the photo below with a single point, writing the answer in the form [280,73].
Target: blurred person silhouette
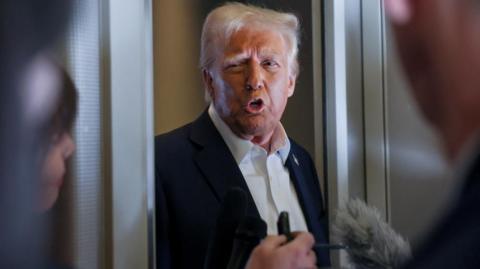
[60,144]
[27,28]
[60,147]
[439,46]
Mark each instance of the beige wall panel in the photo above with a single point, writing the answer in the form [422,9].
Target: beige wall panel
[177,82]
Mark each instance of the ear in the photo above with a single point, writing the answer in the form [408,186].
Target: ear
[208,82]
[291,84]
[399,11]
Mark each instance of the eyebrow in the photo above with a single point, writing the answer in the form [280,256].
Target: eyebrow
[236,57]
[268,52]
[264,53]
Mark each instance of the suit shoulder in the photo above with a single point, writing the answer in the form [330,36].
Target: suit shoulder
[173,137]
[173,147]
[173,144]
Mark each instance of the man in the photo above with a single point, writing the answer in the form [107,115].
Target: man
[439,44]
[249,65]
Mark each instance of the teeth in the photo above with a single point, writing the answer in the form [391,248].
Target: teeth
[256,101]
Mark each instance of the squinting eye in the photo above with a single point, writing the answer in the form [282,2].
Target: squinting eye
[234,67]
[270,63]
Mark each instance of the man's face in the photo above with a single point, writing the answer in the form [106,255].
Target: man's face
[250,82]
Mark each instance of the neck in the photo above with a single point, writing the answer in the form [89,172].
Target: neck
[264,141]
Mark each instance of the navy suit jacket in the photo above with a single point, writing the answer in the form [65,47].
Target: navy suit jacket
[455,243]
[194,169]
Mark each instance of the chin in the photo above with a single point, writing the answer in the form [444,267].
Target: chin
[255,125]
[257,129]
[48,199]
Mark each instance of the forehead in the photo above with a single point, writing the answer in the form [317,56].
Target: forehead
[260,41]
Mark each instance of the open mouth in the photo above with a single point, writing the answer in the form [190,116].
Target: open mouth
[255,105]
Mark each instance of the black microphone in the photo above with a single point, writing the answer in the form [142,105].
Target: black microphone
[248,235]
[232,212]
[283,225]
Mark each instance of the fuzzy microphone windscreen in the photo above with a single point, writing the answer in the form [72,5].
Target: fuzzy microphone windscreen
[371,242]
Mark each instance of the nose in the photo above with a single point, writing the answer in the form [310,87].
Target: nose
[254,78]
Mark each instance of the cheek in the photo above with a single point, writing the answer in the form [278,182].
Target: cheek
[53,168]
[227,96]
[47,169]
[279,96]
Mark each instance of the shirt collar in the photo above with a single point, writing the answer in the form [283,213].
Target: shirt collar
[240,147]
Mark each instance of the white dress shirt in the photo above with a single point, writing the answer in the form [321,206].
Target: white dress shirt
[266,176]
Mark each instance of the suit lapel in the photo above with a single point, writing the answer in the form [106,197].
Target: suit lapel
[310,207]
[216,161]
[304,195]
